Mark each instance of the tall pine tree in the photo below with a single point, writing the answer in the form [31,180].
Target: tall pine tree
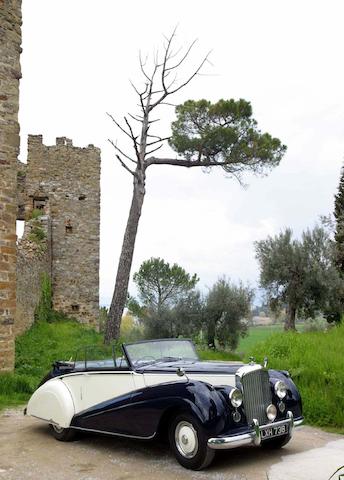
[339,216]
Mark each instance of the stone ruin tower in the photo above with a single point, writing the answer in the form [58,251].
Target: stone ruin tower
[63,183]
[10,49]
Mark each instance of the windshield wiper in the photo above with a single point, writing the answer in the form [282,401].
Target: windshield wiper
[169,359]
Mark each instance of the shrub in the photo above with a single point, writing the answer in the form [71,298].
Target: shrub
[36,213]
[37,234]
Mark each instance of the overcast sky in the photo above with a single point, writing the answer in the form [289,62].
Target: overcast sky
[285,57]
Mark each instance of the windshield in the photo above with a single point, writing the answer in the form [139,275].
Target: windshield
[154,351]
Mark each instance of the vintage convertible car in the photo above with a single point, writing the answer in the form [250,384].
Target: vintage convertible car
[160,387]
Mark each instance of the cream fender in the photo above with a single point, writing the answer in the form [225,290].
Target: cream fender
[53,403]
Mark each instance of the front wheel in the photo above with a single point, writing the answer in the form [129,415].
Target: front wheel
[189,443]
[62,434]
[275,443]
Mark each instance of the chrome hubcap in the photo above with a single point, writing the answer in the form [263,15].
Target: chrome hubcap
[186,439]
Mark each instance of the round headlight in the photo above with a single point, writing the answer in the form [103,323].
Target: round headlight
[235,397]
[271,412]
[280,389]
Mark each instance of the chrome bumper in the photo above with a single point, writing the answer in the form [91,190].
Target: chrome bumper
[254,436]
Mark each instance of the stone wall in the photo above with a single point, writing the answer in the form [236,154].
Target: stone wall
[33,261]
[21,194]
[10,41]
[64,182]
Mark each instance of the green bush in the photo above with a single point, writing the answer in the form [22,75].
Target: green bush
[37,234]
[36,213]
[315,362]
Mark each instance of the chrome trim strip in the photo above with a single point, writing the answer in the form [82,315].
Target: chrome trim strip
[115,434]
[242,371]
[252,437]
[298,422]
[51,421]
[96,372]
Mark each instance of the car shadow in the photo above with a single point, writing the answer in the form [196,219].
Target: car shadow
[121,449]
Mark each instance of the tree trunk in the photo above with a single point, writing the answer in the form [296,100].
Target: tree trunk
[124,266]
[211,334]
[290,320]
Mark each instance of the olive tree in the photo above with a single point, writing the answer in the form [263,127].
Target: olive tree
[204,135]
[227,309]
[301,274]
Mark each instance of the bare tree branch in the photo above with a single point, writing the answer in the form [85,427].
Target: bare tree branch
[138,119]
[120,127]
[184,57]
[141,95]
[142,65]
[157,141]
[163,71]
[133,138]
[155,120]
[154,150]
[124,165]
[192,76]
[121,152]
[168,104]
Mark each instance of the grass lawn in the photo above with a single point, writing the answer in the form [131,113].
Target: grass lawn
[256,335]
[315,362]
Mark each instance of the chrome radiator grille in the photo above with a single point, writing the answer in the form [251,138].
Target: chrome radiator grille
[256,395]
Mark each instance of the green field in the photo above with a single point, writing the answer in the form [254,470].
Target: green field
[315,362]
[255,335]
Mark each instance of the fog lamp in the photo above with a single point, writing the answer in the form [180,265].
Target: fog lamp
[271,412]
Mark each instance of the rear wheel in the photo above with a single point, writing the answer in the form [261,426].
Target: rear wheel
[275,443]
[62,434]
[189,442]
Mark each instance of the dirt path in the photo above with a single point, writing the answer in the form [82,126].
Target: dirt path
[28,451]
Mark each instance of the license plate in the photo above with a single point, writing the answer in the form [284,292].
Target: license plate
[274,431]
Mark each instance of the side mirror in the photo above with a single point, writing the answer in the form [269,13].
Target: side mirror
[180,372]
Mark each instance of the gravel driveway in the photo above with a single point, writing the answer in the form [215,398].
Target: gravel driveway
[28,451]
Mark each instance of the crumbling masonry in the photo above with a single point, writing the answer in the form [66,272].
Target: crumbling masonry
[10,41]
[61,183]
